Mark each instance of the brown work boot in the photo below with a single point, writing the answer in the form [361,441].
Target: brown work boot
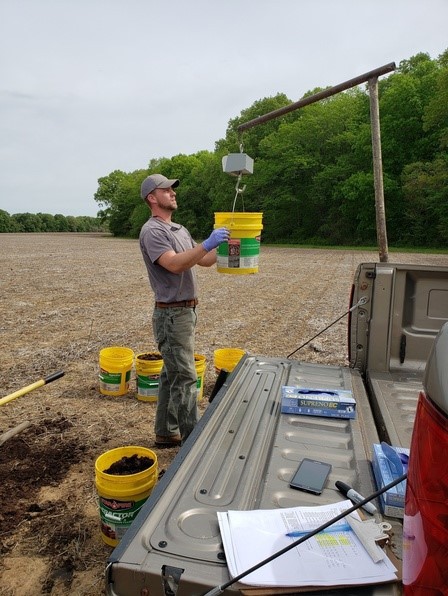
[169,441]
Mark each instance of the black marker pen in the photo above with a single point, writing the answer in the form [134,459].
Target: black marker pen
[350,493]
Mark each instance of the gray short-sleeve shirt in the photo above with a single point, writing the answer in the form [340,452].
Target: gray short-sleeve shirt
[156,238]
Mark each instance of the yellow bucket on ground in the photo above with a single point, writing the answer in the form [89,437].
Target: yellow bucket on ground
[227,358]
[201,364]
[240,254]
[148,367]
[120,497]
[148,374]
[115,370]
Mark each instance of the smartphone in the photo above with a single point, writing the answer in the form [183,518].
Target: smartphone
[311,476]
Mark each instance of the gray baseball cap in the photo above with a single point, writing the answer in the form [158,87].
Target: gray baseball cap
[156,181]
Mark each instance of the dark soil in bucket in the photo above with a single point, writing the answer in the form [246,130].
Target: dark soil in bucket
[150,356]
[130,465]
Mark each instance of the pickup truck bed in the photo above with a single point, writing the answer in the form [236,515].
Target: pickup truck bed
[243,452]
[391,337]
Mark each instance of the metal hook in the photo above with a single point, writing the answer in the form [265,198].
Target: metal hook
[238,191]
[237,187]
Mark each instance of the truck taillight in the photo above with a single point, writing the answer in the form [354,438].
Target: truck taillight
[425,529]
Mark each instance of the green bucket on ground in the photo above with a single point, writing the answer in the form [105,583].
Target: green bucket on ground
[239,256]
[148,367]
[115,370]
[227,359]
[120,497]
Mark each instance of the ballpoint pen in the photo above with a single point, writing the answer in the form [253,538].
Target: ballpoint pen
[316,392]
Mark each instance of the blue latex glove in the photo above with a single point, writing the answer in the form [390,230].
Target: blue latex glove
[216,238]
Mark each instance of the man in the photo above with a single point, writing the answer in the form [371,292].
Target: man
[170,255]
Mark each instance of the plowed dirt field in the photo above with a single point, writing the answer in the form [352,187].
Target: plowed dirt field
[63,298]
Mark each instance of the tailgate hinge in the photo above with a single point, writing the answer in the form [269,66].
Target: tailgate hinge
[170,579]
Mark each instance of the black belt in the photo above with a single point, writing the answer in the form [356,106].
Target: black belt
[184,303]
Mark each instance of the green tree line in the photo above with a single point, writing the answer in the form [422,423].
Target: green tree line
[313,172]
[45,222]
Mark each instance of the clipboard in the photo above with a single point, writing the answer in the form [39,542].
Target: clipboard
[277,591]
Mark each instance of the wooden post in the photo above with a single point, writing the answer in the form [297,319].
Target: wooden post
[378,171]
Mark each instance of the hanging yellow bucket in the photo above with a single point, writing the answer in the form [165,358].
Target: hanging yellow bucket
[240,254]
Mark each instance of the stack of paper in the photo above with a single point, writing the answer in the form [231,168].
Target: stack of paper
[330,558]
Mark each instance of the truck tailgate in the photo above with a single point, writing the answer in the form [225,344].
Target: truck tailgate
[241,456]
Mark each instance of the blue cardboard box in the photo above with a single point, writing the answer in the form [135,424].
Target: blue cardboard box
[332,403]
[386,470]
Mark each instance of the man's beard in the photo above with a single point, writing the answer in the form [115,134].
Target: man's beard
[169,207]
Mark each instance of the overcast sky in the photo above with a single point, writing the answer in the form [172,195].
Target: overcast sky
[91,86]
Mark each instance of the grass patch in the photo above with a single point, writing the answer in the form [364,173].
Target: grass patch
[409,250]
